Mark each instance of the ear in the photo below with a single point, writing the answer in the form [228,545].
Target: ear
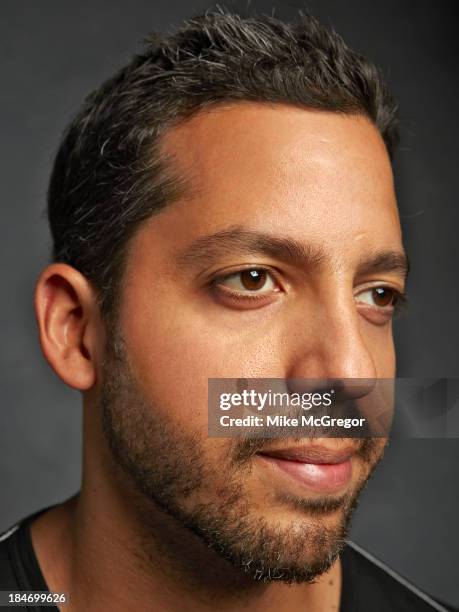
[67,312]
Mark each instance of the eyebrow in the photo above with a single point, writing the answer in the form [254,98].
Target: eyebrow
[385,261]
[207,249]
[210,248]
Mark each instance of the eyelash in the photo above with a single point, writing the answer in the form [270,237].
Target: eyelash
[400,299]
[215,284]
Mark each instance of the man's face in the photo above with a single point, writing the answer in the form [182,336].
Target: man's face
[268,269]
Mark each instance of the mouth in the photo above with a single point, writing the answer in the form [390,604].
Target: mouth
[314,469]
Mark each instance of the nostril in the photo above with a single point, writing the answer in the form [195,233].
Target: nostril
[354,388]
[314,385]
[343,388]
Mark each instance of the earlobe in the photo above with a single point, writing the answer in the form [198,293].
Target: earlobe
[67,316]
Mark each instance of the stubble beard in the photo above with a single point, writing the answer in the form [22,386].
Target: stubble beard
[167,466]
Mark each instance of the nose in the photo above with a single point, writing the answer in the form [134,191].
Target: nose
[332,354]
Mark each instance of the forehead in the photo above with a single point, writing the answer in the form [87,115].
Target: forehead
[313,175]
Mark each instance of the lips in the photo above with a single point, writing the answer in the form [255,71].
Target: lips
[314,469]
[311,454]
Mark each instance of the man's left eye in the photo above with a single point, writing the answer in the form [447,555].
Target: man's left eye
[381,297]
[253,280]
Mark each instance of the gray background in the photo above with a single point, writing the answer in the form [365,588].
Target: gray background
[52,53]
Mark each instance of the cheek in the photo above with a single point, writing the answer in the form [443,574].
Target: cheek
[174,347]
[380,344]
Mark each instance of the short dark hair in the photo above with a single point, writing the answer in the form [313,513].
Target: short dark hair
[109,174]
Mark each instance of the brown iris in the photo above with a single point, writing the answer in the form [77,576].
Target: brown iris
[253,279]
[384,296]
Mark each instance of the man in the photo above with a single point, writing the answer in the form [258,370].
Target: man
[223,207]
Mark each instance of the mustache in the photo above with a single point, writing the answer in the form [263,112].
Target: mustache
[363,439]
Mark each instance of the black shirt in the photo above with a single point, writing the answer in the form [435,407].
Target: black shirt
[368,584]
